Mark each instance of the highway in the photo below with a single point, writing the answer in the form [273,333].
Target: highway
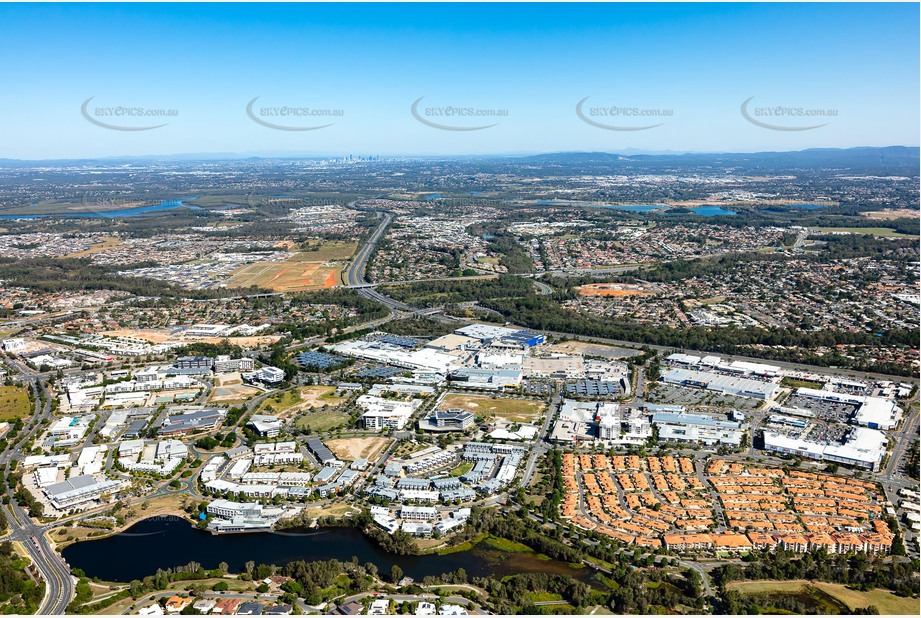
[59,585]
[354,277]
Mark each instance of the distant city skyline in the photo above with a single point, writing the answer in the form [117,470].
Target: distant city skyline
[454,79]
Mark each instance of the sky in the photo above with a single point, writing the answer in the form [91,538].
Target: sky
[492,78]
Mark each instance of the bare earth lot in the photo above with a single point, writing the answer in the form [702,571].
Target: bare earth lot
[232,393]
[592,349]
[350,449]
[892,213]
[291,276]
[314,269]
[162,336]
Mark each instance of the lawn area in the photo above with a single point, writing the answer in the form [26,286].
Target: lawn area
[14,403]
[885,601]
[796,383]
[514,410]
[462,469]
[875,231]
[321,421]
[336,509]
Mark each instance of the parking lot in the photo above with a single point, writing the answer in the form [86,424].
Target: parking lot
[681,395]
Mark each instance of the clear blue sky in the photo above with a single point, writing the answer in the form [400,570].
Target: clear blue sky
[373,61]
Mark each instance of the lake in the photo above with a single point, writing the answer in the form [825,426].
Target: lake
[711,211]
[165,542]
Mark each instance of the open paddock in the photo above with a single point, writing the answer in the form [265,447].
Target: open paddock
[14,403]
[350,449]
[884,600]
[325,251]
[592,349]
[513,410]
[290,276]
[232,393]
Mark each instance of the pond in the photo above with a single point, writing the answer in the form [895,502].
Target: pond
[166,542]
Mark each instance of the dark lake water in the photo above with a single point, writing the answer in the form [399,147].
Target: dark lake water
[170,541]
[711,211]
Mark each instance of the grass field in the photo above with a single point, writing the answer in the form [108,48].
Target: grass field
[514,410]
[102,245]
[325,251]
[875,231]
[462,468]
[297,400]
[14,403]
[321,421]
[885,601]
[796,383]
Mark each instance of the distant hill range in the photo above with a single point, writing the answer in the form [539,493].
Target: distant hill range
[902,160]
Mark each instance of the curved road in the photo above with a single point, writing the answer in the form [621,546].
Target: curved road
[59,584]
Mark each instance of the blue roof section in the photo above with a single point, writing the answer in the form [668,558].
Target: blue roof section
[319,359]
[378,372]
[404,342]
[525,337]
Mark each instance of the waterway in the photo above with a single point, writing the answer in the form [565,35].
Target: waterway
[634,207]
[166,542]
[111,214]
[624,207]
[807,206]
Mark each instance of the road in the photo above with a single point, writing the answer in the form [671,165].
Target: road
[59,585]
[704,578]
[540,446]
